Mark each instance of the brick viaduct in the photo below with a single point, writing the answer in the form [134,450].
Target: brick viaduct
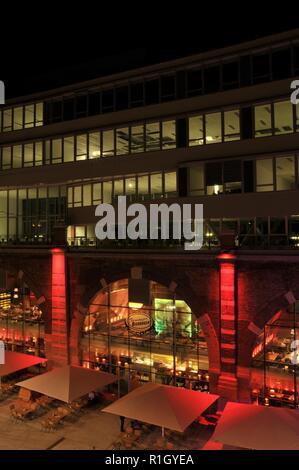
[232,296]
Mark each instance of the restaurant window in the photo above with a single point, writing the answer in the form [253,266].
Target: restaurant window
[94,145]
[143,186]
[38,153]
[231,125]
[81,147]
[213,128]
[196,180]
[6,158]
[152,136]
[283,117]
[196,133]
[122,141]
[107,192]
[87,195]
[7,120]
[29,115]
[156,185]
[285,173]
[214,183]
[264,175]
[18,118]
[170,184]
[168,135]
[57,151]
[263,120]
[28,155]
[97,193]
[108,143]
[137,139]
[68,149]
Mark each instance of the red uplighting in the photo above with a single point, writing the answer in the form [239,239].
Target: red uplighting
[226,256]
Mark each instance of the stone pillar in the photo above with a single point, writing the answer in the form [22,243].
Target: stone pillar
[227,382]
[57,341]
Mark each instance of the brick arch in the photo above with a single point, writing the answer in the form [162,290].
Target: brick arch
[184,290]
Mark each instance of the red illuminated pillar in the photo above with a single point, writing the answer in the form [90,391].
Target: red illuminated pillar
[58,348]
[227,384]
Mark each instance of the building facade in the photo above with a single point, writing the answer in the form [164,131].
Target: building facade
[218,129]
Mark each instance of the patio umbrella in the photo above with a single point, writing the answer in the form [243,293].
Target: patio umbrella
[258,427]
[68,383]
[162,405]
[15,361]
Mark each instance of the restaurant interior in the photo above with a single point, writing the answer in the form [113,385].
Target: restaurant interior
[161,342]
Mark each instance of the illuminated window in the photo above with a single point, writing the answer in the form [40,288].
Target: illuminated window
[7,120]
[94,148]
[17,118]
[107,192]
[70,197]
[285,173]
[137,139]
[156,185]
[29,115]
[108,143]
[168,135]
[38,155]
[39,114]
[87,195]
[118,189]
[97,193]
[28,154]
[264,175]
[283,117]
[77,196]
[81,147]
[130,186]
[196,130]
[122,141]
[213,128]
[17,156]
[6,157]
[170,185]
[152,136]
[68,149]
[231,125]
[196,180]
[56,151]
[263,120]
[143,185]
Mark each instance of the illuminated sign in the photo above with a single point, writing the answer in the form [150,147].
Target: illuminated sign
[139,322]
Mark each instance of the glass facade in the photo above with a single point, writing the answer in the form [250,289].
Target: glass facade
[162,342]
[21,117]
[275,371]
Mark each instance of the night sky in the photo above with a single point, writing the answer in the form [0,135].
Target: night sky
[55,49]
